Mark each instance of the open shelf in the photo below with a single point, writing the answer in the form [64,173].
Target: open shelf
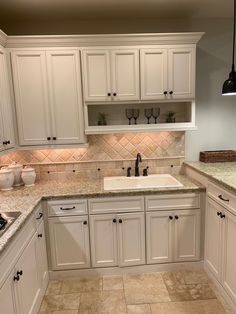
[117,121]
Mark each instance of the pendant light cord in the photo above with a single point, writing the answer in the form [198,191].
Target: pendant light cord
[233,67]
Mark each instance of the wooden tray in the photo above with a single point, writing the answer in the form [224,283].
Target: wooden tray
[218,156]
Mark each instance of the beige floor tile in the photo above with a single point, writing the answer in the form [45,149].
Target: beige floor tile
[103,302]
[195,277]
[212,307]
[81,285]
[60,302]
[112,283]
[143,281]
[139,309]
[54,287]
[66,312]
[173,278]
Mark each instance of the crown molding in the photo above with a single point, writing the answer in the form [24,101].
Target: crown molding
[3,38]
[102,40]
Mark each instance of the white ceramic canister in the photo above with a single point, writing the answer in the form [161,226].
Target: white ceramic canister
[28,176]
[16,169]
[6,179]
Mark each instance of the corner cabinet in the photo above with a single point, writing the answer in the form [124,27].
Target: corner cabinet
[7,136]
[48,96]
[110,74]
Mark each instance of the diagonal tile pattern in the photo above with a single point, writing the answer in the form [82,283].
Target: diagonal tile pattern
[182,292]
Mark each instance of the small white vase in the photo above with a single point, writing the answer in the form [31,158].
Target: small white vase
[6,179]
[28,176]
[16,169]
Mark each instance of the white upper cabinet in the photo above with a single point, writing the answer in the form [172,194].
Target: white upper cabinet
[154,67]
[181,73]
[31,96]
[96,75]
[7,137]
[65,96]
[111,74]
[48,97]
[168,73]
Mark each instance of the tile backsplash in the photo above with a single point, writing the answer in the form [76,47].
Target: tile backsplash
[105,155]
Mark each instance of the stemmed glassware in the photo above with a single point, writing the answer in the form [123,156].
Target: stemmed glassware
[129,114]
[148,114]
[135,115]
[155,113]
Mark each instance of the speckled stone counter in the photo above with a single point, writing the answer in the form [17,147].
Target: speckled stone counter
[26,199]
[223,173]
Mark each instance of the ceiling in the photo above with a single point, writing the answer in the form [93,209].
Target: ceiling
[54,10]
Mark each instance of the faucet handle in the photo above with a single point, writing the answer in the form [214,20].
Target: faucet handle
[145,171]
[129,172]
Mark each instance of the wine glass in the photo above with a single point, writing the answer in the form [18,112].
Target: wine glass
[148,114]
[155,113]
[129,114]
[135,115]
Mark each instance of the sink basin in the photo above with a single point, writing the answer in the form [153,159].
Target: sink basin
[134,183]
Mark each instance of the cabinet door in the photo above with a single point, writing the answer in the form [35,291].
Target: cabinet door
[229,255]
[181,73]
[42,255]
[96,75]
[153,73]
[7,299]
[69,242]
[187,235]
[159,226]
[65,96]
[131,239]
[103,235]
[213,238]
[31,95]
[28,287]
[125,74]
[6,128]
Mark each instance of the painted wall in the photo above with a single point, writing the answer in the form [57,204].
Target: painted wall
[215,115]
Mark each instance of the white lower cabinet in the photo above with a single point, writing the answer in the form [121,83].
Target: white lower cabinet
[69,242]
[117,239]
[173,236]
[42,255]
[7,297]
[220,256]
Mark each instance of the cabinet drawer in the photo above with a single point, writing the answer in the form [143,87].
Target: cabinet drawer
[67,207]
[116,204]
[175,201]
[222,196]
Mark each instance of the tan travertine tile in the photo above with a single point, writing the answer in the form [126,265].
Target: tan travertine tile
[139,309]
[54,287]
[103,302]
[112,283]
[81,285]
[66,312]
[201,292]
[140,281]
[189,307]
[61,302]
[195,277]
[173,278]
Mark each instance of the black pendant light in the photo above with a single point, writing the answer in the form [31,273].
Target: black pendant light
[229,87]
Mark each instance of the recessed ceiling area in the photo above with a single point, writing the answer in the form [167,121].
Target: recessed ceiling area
[21,12]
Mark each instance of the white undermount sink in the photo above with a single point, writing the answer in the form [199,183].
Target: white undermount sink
[133,183]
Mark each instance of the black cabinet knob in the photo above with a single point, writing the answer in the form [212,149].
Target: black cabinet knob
[19,272]
[114,94]
[109,94]
[114,220]
[176,217]
[4,143]
[171,92]
[54,138]
[85,222]
[165,92]
[170,217]
[8,142]
[40,235]
[49,138]
[120,221]
[222,216]
[16,278]
[219,213]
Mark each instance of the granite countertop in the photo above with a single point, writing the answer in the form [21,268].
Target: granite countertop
[220,172]
[25,199]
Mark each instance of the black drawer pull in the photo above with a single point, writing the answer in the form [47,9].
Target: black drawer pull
[40,216]
[222,198]
[222,216]
[40,235]
[19,273]
[16,278]
[67,208]
[49,138]
[170,217]
[219,213]
[120,221]
[85,222]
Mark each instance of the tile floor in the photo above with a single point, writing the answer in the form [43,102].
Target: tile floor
[183,292]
